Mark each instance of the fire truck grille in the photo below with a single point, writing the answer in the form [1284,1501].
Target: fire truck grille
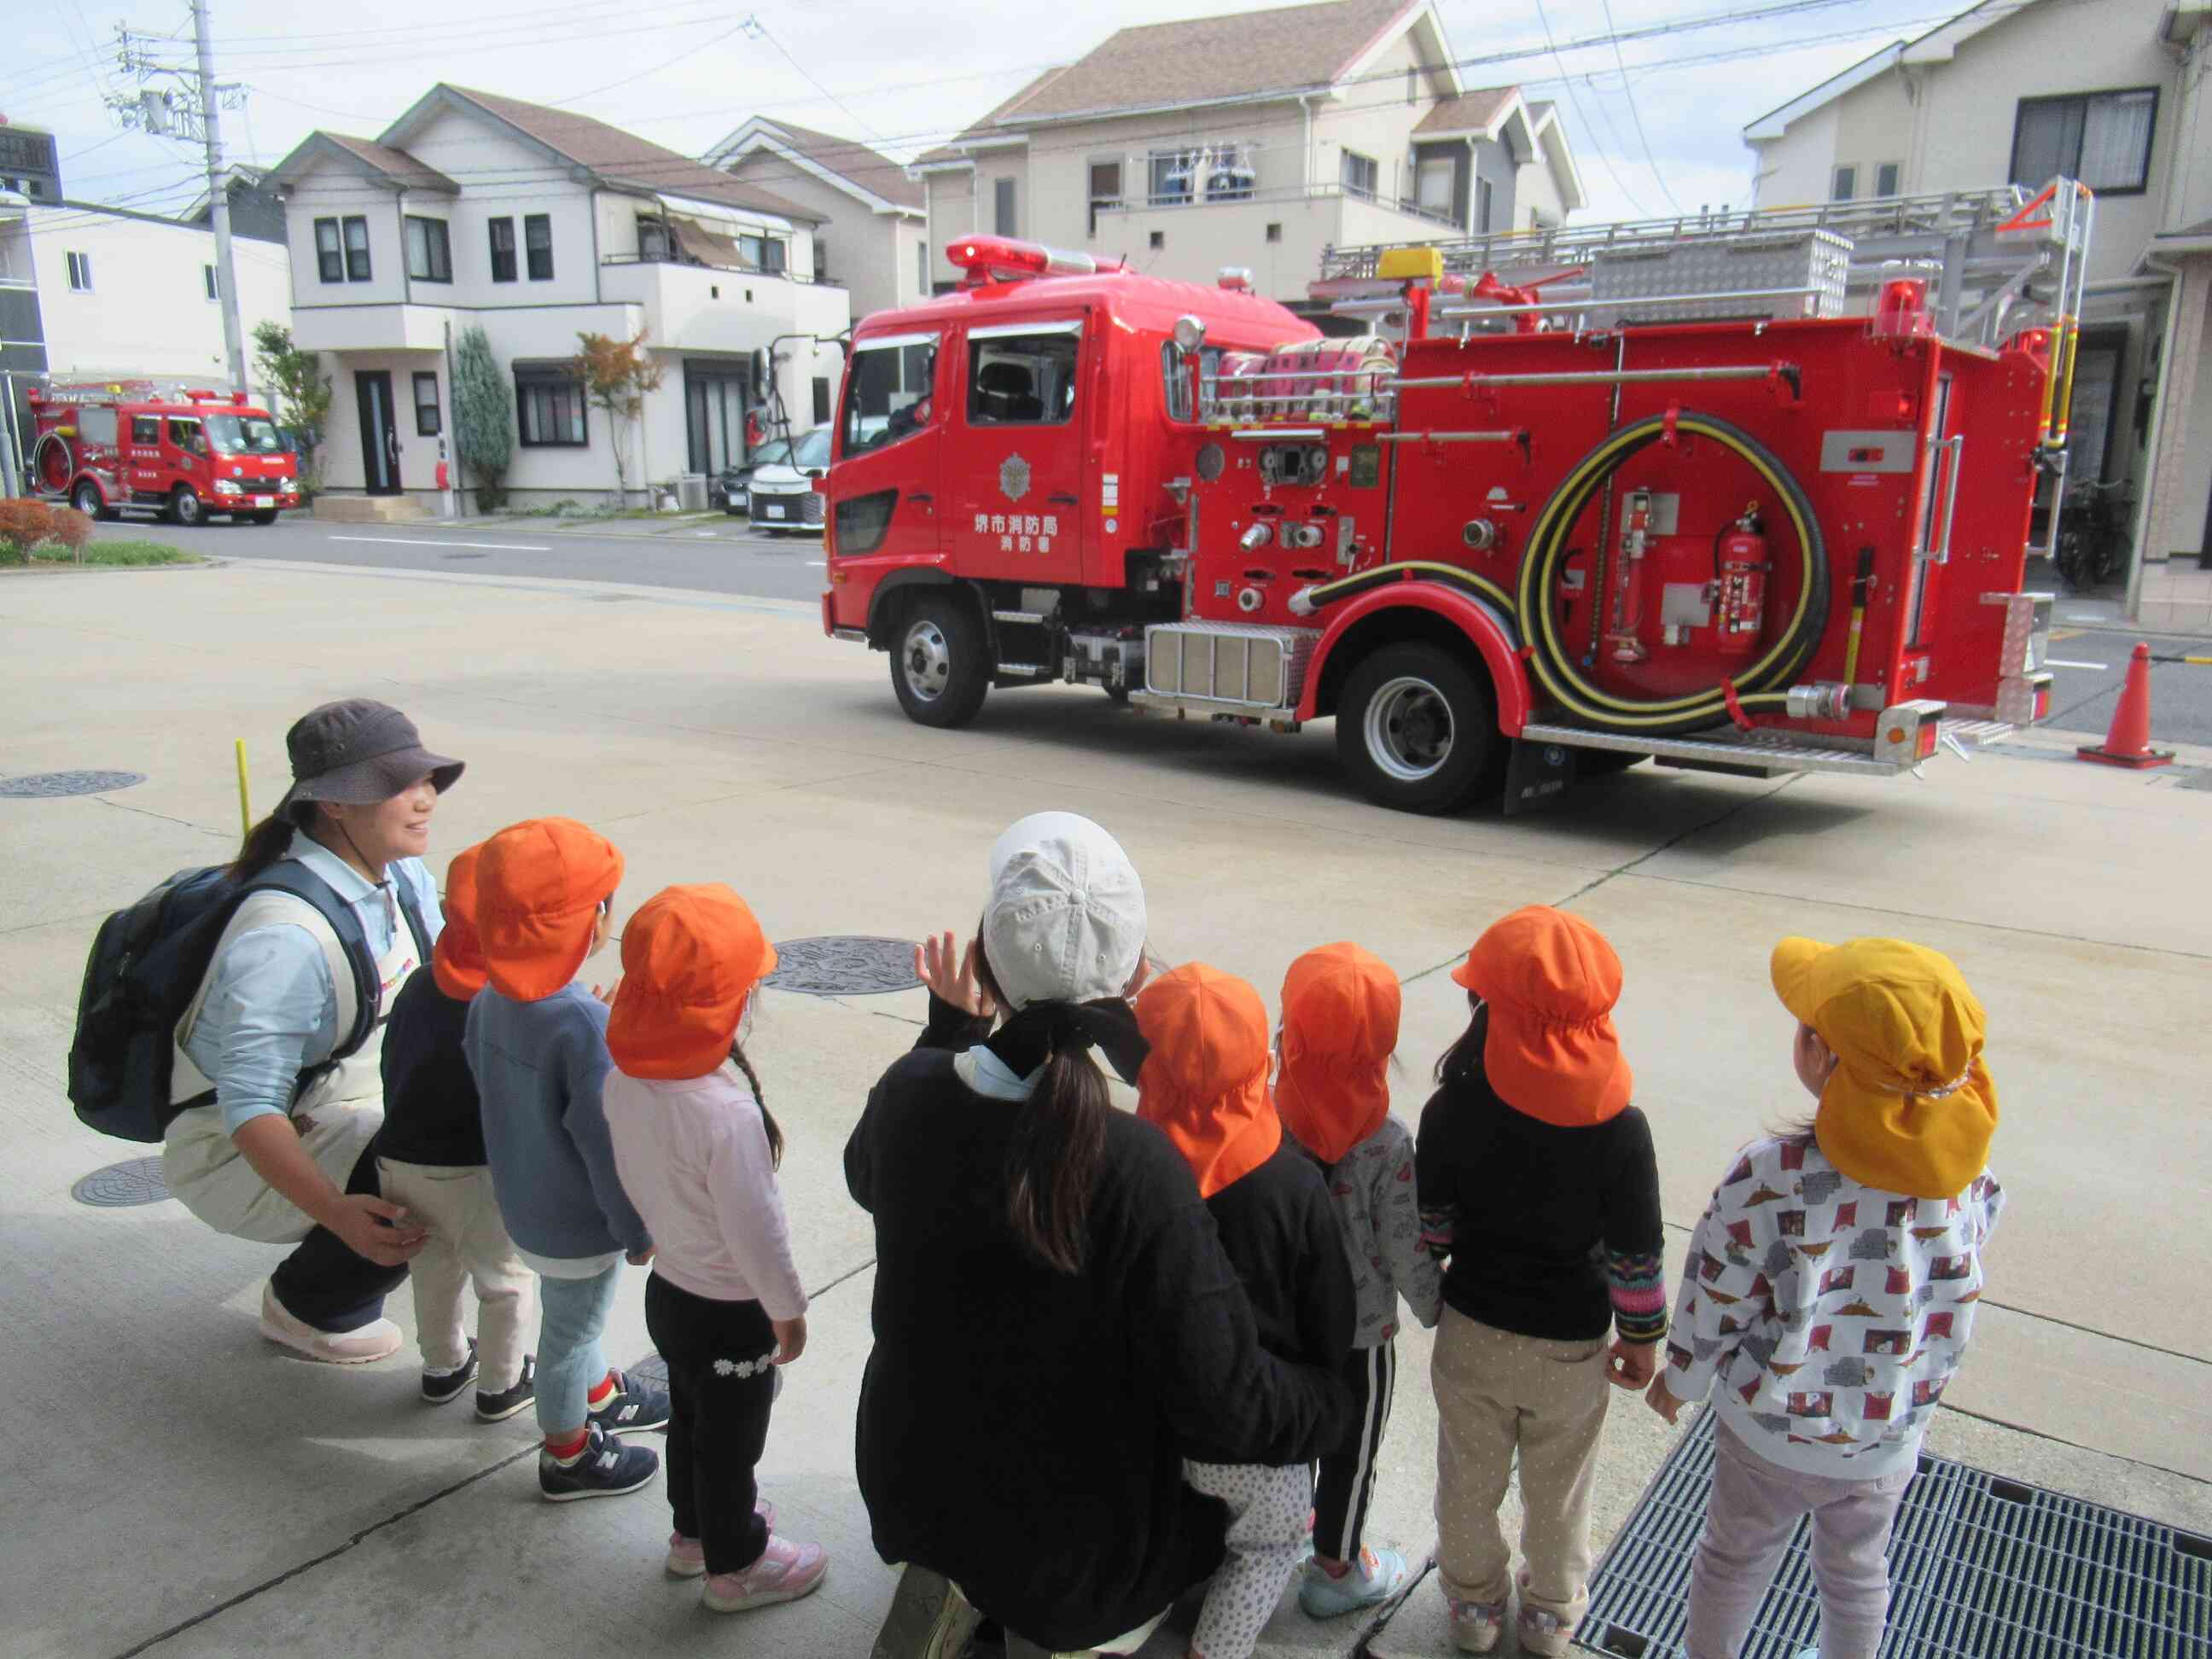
[1979,1568]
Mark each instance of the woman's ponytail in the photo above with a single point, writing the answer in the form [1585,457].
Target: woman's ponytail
[1052,1160]
[266,843]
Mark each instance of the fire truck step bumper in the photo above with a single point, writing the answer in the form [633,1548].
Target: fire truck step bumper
[1762,754]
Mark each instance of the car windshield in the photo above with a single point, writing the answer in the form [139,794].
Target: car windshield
[245,435]
[775,452]
[811,451]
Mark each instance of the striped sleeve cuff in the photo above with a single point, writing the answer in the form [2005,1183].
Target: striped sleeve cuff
[1637,1284]
[1437,1226]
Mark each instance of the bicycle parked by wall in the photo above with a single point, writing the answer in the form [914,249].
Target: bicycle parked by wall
[2093,535]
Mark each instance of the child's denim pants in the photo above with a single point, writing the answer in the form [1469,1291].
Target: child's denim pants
[570,1362]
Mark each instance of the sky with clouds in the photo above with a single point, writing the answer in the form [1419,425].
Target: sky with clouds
[1656,122]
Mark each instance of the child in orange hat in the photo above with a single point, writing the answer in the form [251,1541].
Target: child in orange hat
[1340,1028]
[1831,1286]
[536,1040]
[1205,1085]
[697,1149]
[1539,1184]
[431,1155]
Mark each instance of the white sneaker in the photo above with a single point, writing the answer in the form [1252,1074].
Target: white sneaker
[377,1339]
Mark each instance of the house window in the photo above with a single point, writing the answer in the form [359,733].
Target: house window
[502,250]
[208,282]
[1172,176]
[2101,138]
[429,251]
[1159,239]
[651,239]
[1845,184]
[329,258]
[821,399]
[1230,174]
[821,259]
[1886,177]
[922,267]
[1023,379]
[1002,207]
[762,252]
[1105,188]
[357,248]
[1362,174]
[1275,233]
[537,247]
[80,273]
[1485,195]
[1432,184]
[548,408]
[426,424]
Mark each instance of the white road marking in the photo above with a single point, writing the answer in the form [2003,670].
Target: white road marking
[401,541]
[818,564]
[2060,662]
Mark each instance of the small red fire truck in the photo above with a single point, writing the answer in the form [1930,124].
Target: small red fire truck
[184,453]
[1588,498]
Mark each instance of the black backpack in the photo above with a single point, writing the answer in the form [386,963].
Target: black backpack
[145,969]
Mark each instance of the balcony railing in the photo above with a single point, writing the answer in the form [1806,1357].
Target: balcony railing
[1143,204]
[740,269]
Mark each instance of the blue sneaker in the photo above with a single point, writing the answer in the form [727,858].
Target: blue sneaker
[636,1408]
[1374,1579]
[607,1468]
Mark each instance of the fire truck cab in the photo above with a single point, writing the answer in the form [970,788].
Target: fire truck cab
[1751,496]
[184,453]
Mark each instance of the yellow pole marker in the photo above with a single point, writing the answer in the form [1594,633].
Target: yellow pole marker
[244,795]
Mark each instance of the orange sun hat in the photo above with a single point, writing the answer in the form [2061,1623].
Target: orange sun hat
[691,957]
[456,961]
[1340,1008]
[539,885]
[1205,1082]
[1550,981]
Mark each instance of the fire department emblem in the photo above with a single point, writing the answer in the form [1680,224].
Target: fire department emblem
[1014,477]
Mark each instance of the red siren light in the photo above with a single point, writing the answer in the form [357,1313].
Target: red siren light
[986,257]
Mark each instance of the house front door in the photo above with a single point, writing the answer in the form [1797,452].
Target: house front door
[380,431]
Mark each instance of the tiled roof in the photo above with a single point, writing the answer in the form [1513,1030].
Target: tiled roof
[988,125]
[853,161]
[393,163]
[1471,111]
[624,158]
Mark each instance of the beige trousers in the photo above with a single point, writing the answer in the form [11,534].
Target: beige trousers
[468,1241]
[1496,1395]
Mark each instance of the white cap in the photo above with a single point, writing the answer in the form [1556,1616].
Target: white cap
[1065,918]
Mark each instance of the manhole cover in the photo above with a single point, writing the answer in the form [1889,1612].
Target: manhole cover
[120,1186]
[68,783]
[844,964]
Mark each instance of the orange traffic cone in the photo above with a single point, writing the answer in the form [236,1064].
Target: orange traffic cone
[2128,744]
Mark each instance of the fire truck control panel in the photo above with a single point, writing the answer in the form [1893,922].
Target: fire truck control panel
[184,453]
[1751,495]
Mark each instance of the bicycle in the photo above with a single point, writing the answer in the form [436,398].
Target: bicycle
[2093,541]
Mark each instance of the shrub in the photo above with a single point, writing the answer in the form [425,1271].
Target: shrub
[483,417]
[25,524]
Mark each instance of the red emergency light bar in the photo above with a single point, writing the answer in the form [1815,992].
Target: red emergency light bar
[984,256]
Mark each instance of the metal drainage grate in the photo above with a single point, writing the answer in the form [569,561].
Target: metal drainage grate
[1979,1568]
[120,1186]
[68,783]
[844,964]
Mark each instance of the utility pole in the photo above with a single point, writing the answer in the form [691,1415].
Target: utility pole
[225,274]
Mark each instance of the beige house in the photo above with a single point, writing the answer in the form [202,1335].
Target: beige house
[874,234]
[2113,93]
[1257,140]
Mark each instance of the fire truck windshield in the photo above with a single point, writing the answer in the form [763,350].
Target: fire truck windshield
[245,435]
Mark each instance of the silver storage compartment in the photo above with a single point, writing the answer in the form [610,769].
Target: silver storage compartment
[1816,259]
[1233,664]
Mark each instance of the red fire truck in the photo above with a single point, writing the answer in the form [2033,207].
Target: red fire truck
[1581,499]
[184,453]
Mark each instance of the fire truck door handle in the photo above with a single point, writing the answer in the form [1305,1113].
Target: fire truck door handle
[920,495]
[1063,500]
[1956,443]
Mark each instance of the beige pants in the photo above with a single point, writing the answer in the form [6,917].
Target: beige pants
[207,1173]
[468,1241]
[1498,1394]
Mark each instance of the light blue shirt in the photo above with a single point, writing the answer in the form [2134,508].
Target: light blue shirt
[990,1077]
[272,1010]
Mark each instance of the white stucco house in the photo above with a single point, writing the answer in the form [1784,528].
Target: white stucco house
[2112,93]
[537,224]
[1257,140]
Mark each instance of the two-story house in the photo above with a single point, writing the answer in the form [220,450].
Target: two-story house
[1257,140]
[2110,92]
[536,225]
[873,235]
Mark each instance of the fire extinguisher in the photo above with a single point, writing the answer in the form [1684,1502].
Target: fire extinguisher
[443,476]
[1741,565]
[753,434]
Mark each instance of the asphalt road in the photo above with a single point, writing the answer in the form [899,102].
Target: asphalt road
[724,555]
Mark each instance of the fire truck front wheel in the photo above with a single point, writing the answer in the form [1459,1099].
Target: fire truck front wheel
[86,499]
[185,507]
[1416,729]
[938,662]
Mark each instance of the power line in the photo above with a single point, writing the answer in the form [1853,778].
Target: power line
[1604,160]
[812,82]
[1629,93]
[743,25]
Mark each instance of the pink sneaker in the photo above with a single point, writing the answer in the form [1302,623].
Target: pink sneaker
[785,1572]
[687,1557]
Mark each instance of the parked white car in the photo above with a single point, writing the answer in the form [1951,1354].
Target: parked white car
[780,495]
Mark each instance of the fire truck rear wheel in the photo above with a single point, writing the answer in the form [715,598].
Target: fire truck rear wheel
[939,666]
[1416,729]
[185,507]
[86,499]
